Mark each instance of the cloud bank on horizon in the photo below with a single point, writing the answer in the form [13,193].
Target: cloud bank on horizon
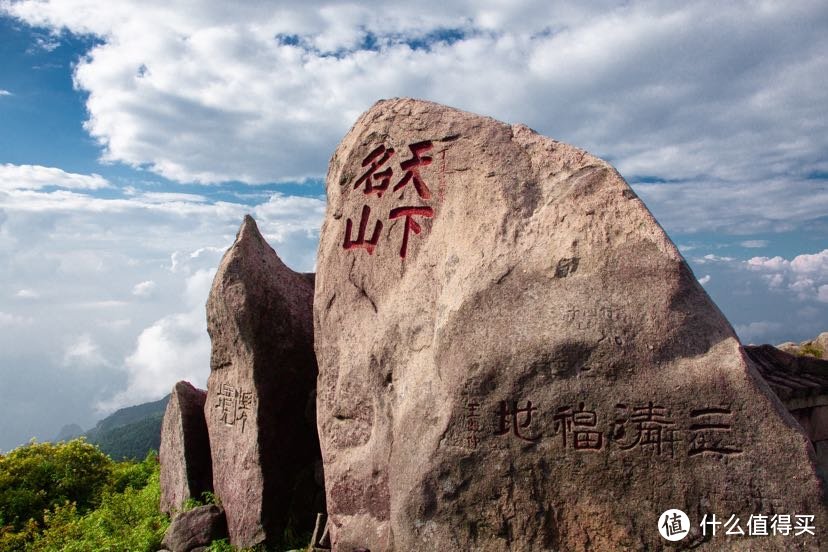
[713,112]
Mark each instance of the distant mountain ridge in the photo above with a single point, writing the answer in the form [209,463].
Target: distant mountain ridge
[131,432]
[68,432]
[127,416]
[127,433]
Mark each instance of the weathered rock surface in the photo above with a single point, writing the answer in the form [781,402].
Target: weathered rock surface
[817,347]
[514,356]
[260,390]
[184,454]
[801,383]
[195,528]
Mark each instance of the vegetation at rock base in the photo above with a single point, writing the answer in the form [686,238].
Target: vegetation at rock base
[73,497]
[810,349]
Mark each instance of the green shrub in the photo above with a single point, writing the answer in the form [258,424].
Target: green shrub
[38,477]
[809,349]
[222,546]
[207,497]
[125,522]
[131,474]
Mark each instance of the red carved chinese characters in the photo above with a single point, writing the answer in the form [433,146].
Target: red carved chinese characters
[376,182]
[412,172]
[376,159]
[410,223]
[360,241]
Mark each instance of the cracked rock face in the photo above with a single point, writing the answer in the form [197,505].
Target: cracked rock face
[263,373]
[512,353]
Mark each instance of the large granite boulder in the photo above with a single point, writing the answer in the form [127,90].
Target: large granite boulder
[263,373]
[514,356]
[196,528]
[184,454]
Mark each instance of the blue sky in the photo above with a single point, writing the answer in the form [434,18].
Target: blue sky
[136,135]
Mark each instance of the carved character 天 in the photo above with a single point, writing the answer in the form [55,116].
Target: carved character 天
[412,169]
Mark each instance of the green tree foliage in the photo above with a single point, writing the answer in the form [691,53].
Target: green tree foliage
[71,496]
[127,521]
[131,441]
[41,476]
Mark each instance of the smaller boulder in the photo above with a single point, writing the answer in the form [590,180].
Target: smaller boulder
[196,528]
[815,348]
[184,455]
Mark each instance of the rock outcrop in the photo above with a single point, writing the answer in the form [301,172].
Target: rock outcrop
[260,391]
[196,528]
[801,383]
[513,355]
[184,454]
[817,347]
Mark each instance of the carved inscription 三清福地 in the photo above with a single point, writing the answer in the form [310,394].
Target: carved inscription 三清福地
[647,427]
[233,405]
[375,181]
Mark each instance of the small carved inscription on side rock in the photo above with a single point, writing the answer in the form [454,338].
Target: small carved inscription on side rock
[233,405]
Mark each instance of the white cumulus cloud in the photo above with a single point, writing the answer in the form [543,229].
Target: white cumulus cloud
[34,177]
[805,275]
[172,348]
[754,244]
[262,92]
[27,294]
[89,257]
[755,332]
[144,289]
[83,352]
[8,320]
